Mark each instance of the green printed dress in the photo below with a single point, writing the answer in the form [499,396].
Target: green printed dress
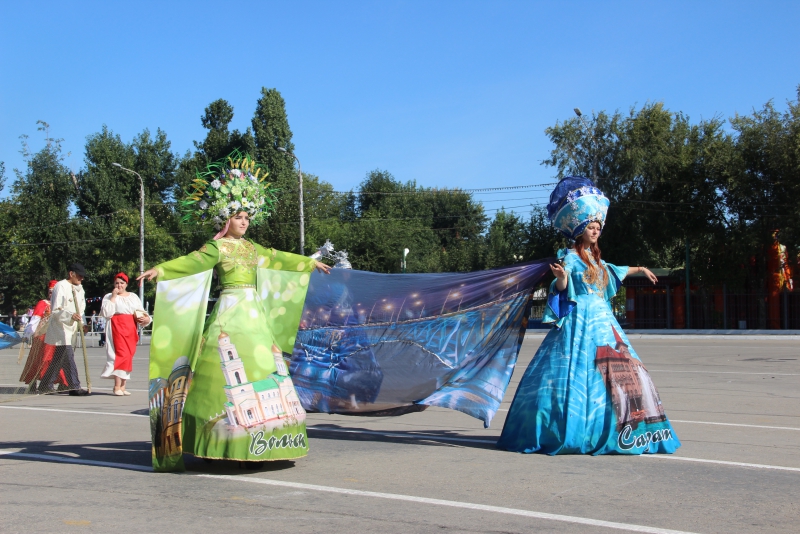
[219,387]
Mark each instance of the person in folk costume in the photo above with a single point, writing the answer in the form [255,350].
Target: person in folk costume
[40,354]
[68,304]
[219,388]
[586,390]
[124,313]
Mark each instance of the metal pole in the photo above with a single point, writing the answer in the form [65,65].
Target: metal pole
[669,308]
[141,239]
[141,225]
[785,308]
[724,306]
[688,290]
[302,221]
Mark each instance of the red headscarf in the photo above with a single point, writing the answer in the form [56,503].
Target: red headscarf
[52,284]
[121,275]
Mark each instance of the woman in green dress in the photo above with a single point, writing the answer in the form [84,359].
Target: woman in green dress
[220,388]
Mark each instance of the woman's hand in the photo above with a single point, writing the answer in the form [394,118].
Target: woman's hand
[149,274]
[321,267]
[142,321]
[558,271]
[560,274]
[650,276]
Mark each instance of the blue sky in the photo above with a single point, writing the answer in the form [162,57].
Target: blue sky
[448,93]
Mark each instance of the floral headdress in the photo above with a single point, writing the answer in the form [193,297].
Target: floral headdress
[227,187]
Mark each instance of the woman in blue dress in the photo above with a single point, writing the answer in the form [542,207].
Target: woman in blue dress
[586,390]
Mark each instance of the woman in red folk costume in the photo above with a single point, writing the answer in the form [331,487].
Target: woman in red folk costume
[123,311]
[41,354]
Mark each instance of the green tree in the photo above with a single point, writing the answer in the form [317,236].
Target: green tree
[506,240]
[39,242]
[271,131]
[109,202]
[762,190]
[662,174]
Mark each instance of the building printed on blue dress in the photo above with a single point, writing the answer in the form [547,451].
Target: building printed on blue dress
[633,394]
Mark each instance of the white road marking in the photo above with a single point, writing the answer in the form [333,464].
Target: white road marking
[73,411]
[722,372]
[734,424]
[452,504]
[360,493]
[430,437]
[93,388]
[62,459]
[721,462]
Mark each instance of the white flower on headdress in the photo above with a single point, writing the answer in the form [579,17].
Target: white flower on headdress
[217,227]
[216,184]
[202,204]
[235,205]
[224,213]
[236,172]
[217,220]
[245,203]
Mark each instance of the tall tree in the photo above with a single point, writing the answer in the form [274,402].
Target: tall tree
[39,240]
[109,202]
[271,131]
[662,175]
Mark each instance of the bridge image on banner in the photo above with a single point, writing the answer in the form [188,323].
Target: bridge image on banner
[378,344]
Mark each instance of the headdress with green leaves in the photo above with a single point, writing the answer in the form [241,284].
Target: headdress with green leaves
[227,187]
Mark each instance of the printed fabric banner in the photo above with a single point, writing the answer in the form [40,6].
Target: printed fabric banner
[8,336]
[378,344]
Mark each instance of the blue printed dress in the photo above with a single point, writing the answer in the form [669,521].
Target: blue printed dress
[586,390]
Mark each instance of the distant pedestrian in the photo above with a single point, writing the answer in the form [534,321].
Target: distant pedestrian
[68,304]
[124,313]
[101,327]
[15,321]
[40,355]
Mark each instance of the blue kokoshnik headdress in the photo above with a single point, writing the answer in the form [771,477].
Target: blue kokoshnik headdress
[574,203]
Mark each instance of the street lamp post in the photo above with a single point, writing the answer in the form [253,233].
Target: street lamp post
[300,180]
[594,143]
[141,226]
[405,253]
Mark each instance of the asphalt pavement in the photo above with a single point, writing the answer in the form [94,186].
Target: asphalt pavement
[82,464]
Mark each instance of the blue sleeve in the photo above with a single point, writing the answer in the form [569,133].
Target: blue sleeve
[560,303]
[615,277]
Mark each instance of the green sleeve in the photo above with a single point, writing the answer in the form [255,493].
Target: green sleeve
[193,263]
[269,258]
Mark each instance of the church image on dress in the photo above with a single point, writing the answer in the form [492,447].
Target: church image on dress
[168,403]
[268,402]
[633,394]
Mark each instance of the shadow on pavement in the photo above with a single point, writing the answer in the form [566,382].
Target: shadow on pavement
[136,453]
[430,438]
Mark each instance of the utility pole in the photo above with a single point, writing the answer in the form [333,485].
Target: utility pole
[688,290]
[300,180]
[141,227]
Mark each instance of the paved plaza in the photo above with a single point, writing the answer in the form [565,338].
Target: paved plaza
[82,464]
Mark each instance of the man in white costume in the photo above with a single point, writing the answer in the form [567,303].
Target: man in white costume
[67,306]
